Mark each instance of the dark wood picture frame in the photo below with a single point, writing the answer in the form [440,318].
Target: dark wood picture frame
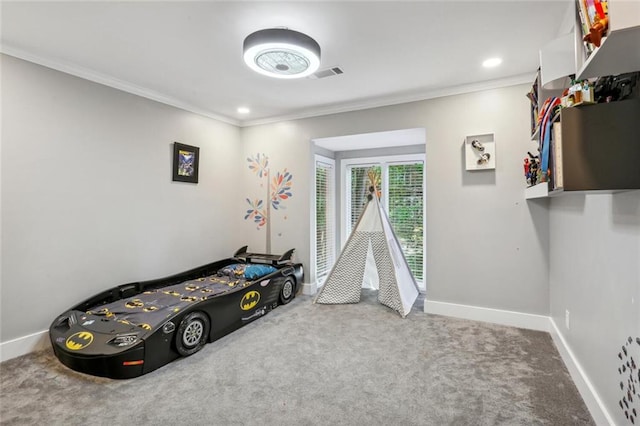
[186,159]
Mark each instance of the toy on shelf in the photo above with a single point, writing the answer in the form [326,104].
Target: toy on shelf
[579,93]
[531,168]
[594,22]
[617,87]
[547,112]
[599,23]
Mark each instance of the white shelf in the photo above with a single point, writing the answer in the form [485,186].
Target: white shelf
[557,62]
[540,190]
[618,52]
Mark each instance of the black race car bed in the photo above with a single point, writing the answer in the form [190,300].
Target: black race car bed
[135,328]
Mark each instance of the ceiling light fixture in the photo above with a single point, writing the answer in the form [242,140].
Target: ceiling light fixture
[243,110]
[492,62]
[281,53]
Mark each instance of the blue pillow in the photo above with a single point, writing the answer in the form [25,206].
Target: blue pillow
[232,271]
[252,272]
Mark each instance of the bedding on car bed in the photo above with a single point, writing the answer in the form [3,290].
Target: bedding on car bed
[150,308]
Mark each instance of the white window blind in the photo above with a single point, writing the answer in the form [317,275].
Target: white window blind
[401,185]
[325,218]
[405,201]
[360,189]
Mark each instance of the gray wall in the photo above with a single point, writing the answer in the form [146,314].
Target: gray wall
[87,203]
[87,196]
[483,239]
[595,274]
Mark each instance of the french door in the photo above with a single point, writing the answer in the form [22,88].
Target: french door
[400,183]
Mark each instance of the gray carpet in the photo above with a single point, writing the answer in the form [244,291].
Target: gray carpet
[306,364]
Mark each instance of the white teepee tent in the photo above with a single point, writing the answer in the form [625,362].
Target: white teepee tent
[372,234]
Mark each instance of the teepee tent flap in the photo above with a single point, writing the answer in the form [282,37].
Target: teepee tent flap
[373,233]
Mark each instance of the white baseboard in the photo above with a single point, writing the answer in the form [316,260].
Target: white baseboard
[24,345]
[595,405]
[309,289]
[591,399]
[495,316]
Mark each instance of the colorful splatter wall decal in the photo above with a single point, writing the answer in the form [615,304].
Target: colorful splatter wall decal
[629,373]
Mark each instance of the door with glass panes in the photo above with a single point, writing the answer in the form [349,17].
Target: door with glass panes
[400,185]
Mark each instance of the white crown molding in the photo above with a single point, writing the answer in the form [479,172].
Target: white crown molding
[396,99]
[377,102]
[115,83]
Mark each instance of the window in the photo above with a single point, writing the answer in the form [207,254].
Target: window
[325,227]
[401,186]
[405,210]
[360,189]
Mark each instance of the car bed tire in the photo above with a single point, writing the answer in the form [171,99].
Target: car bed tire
[287,291]
[192,334]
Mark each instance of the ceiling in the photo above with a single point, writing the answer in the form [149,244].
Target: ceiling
[189,54]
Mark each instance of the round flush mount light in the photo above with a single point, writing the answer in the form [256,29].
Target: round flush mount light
[243,110]
[281,53]
[492,62]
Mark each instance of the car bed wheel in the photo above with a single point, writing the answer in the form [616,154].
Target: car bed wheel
[192,333]
[287,291]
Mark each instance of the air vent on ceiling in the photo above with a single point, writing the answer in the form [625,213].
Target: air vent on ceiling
[326,73]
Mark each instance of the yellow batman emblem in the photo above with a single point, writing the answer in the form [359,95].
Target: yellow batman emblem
[135,303]
[249,300]
[79,340]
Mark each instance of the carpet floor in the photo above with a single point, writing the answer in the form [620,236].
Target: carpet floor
[306,364]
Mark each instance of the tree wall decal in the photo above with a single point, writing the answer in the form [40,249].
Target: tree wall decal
[278,190]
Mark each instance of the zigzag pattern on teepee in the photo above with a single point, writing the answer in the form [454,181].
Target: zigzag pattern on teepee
[397,286]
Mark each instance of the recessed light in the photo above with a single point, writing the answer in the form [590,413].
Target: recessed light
[243,110]
[492,62]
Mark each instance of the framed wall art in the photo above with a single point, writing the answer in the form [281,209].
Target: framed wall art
[185,162]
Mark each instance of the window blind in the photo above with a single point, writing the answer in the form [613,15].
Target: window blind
[405,200]
[360,189]
[325,218]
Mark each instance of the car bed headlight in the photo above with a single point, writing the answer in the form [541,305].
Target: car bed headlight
[124,340]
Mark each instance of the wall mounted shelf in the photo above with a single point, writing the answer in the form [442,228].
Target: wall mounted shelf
[540,190]
[595,150]
[619,52]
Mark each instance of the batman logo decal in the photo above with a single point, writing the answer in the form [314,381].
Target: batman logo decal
[249,300]
[135,303]
[79,340]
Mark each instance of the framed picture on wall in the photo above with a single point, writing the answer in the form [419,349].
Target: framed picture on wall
[185,162]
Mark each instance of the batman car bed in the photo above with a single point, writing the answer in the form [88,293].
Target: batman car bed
[135,328]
